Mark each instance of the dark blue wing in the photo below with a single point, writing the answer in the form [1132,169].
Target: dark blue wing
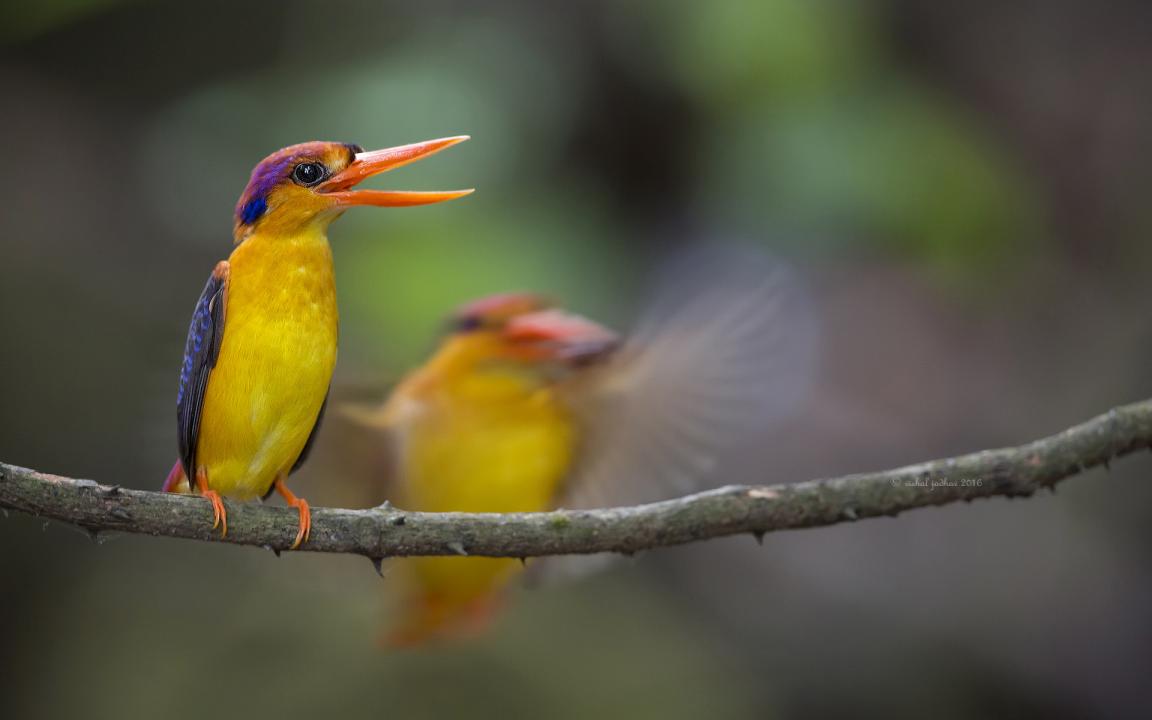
[200,353]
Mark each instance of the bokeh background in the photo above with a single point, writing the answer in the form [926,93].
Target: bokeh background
[965,186]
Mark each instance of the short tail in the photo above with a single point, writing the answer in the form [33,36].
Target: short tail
[176,481]
[432,621]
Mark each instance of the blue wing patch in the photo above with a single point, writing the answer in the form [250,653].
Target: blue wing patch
[200,353]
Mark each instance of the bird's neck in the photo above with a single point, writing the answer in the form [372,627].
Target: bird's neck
[289,269]
[292,254]
[475,363]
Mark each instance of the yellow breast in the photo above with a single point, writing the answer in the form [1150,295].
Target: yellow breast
[275,364]
[478,440]
[486,442]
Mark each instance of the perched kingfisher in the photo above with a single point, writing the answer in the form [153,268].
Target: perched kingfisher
[262,346]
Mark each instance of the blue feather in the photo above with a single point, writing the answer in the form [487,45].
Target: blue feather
[253,210]
[201,325]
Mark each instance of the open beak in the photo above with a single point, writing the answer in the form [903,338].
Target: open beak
[374,162]
[559,335]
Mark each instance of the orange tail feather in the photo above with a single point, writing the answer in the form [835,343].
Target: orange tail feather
[431,620]
[176,481]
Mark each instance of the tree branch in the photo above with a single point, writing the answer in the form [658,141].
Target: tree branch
[389,532]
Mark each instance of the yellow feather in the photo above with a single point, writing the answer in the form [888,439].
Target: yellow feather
[475,435]
[276,360]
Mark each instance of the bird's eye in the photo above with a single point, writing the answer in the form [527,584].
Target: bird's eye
[466,323]
[308,174]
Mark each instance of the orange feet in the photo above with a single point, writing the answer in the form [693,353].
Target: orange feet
[219,514]
[305,512]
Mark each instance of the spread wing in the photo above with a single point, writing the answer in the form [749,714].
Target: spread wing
[200,353]
[725,348]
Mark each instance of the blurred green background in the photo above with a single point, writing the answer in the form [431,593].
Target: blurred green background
[964,184]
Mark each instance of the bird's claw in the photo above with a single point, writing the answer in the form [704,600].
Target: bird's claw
[305,523]
[219,514]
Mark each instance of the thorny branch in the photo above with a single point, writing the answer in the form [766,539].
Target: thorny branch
[390,532]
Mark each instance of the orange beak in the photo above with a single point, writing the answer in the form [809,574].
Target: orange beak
[366,164]
[558,335]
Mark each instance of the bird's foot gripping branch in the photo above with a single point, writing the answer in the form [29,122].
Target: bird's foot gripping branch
[390,532]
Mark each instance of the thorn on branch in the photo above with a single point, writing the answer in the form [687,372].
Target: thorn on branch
[457,547]
[378,564]
[759,535]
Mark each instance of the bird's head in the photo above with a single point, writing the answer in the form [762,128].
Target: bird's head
[312,182]
[528,328]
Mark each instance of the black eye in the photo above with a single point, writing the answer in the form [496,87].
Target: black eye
[466,323]
[308,173]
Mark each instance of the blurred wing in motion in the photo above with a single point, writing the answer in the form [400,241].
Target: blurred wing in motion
[725,347]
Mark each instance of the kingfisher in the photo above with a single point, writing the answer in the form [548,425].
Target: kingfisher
[261,348]
[482,426]
[526,406]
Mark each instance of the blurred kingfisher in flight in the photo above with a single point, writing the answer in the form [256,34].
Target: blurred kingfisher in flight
[262,345]
[525,407]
